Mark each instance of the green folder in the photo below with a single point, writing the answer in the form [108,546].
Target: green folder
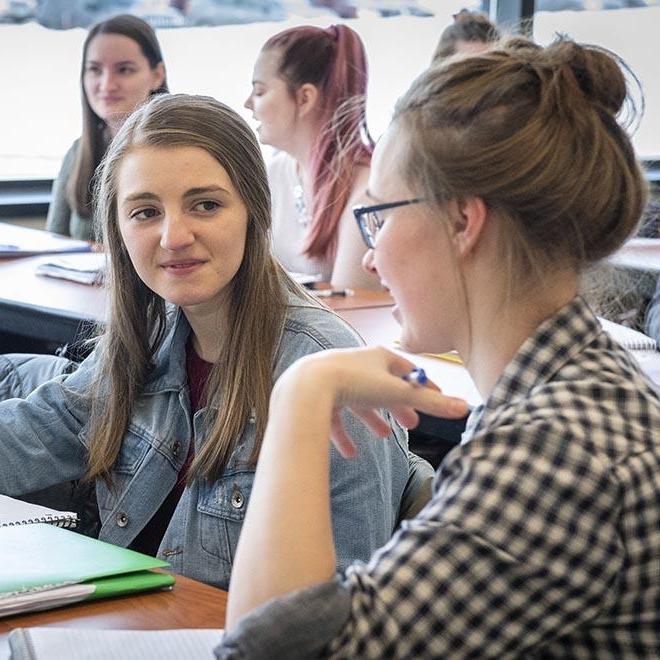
[42,563]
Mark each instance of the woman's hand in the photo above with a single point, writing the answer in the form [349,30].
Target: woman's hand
[365,380]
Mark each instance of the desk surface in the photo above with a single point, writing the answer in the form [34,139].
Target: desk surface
[190,604]
[638,254]
[49,309]
[45,308]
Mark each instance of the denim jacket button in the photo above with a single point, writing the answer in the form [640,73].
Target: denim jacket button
[176,448]
[237,498]
[121,519]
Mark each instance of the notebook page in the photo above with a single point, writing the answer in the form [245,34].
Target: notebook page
[631,339]
[17,512]
[84,644]
[85,267]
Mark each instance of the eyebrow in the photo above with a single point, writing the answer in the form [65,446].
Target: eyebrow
[115,64]
[191,192]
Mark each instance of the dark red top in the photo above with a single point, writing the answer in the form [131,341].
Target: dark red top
[148,540]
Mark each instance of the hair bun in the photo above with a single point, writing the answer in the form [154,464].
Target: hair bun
[597,71]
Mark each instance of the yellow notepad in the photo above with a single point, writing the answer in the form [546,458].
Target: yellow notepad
[451,356]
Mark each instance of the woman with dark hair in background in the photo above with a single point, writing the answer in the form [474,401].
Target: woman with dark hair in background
[122,66]
[309,93]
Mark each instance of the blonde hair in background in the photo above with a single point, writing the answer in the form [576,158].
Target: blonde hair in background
[241,381]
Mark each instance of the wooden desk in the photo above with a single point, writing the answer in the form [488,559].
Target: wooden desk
[190,604]
[360,299]
[49,309]
[44,308]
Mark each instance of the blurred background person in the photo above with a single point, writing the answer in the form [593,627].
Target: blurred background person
[471,32]
[308,93]
[122,66]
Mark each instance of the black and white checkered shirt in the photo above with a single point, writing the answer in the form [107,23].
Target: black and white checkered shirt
[542,538]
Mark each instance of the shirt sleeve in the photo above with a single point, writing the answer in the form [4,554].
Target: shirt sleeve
[281,628]
[41,434]
[365,492]
[518,546]
[59,210]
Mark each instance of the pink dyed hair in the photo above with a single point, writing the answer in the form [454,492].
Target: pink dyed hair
[335,61]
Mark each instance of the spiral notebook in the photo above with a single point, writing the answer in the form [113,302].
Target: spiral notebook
[16,512]
[83,644]
[631,339]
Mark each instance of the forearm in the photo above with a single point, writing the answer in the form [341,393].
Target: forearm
[286,542]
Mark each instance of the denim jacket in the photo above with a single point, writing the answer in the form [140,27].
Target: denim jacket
[45,438]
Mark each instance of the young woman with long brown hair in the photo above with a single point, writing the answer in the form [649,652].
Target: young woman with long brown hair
[167,413]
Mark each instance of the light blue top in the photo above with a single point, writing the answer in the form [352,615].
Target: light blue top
[45,441]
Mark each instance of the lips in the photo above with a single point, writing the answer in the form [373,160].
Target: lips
[182,266]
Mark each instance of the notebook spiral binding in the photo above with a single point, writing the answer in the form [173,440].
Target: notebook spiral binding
[65,522]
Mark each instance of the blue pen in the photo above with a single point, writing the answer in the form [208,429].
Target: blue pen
[416,377]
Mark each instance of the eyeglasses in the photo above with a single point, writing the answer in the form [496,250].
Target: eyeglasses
[370,218]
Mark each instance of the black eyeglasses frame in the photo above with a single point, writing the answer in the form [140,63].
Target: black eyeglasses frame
[361,213]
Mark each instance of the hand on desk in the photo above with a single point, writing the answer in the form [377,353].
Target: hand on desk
[364,381]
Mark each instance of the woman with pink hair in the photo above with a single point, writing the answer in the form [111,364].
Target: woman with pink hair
[308,94]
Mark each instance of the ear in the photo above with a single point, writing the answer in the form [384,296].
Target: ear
[307,97]
[469,217]
[159,76]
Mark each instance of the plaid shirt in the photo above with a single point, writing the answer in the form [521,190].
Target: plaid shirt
[542,538]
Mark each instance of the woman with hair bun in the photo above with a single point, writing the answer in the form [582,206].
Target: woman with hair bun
[308,93]
[502,176]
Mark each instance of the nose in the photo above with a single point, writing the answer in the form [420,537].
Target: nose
[368,262]
[176,232]
[107,80]
[248,103]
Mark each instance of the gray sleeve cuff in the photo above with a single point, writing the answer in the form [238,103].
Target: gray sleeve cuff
[299,625]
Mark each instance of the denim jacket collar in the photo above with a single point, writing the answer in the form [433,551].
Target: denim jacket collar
[169,371]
